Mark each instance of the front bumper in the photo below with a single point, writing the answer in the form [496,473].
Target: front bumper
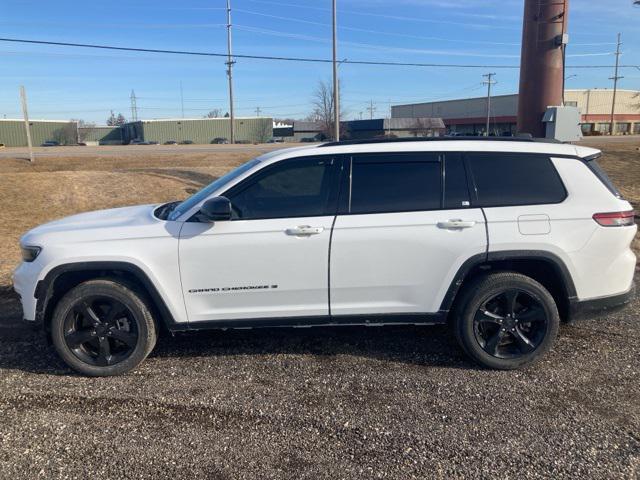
[25,278]
[581,310]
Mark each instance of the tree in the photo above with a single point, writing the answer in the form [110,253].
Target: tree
[114,120]
[420,128]
[265,131]
[215,113]
[323,107]
[67,135]
[84,129]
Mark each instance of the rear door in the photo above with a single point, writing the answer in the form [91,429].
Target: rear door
[405,227]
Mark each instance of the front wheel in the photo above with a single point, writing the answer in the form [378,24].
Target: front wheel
[506,320]
[103,328]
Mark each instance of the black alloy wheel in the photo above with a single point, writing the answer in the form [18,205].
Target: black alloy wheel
[103,327]
[100,331]
[505,320]
[510,324]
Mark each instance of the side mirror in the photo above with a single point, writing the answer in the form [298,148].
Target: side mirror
[216,208]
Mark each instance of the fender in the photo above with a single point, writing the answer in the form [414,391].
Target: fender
[44,288]
[506,255]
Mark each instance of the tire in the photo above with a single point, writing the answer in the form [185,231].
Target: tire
[103,328]
[505,320]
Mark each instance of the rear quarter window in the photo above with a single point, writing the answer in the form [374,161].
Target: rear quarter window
[506,179]
[597,170]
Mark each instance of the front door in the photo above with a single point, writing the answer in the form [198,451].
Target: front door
[271,260]
[406,227]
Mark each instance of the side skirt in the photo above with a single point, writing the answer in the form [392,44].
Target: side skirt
[439,318]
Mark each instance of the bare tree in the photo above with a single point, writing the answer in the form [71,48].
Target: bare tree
[265,132]
[215,113]
[114,120]
[67,135]
[420,128]
[323,107]
[84,129]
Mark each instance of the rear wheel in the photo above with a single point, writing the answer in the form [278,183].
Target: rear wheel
[506,320]
[103,328]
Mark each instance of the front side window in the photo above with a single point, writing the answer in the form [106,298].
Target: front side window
[303,187]
[393,182]
[506,179]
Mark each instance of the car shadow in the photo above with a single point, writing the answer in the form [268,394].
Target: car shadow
[25,349]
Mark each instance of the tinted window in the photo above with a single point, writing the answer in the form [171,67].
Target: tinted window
[394,183]
[515,179]
[597,170]
[293,188]
[456,193]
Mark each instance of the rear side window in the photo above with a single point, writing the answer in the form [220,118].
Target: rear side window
[599,172]
[395,182]
[456,191]
[505,179]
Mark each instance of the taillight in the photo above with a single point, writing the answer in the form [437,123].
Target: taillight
[615,219]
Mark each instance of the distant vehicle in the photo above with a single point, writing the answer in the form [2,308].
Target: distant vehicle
[50,143]
[456,134]
[81,144]
[1,145]
[186,142]
[152,142]
[170,142]
[220,141]
[137,141]
[308,140]
[276,140]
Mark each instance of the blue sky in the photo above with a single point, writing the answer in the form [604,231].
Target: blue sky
[80,83]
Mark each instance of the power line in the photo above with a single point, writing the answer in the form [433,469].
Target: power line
[287,59]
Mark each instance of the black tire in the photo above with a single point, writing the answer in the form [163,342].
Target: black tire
[505,320]
[102,328]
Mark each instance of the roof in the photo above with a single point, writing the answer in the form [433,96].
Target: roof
[197,119]
[36,120]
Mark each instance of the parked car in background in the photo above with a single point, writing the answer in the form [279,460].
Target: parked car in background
[50,143]
[186,142]
[137,141]
[220,141]
[170,142]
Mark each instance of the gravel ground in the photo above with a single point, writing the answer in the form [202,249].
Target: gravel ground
[370,402]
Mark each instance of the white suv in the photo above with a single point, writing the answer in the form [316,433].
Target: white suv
[501,239]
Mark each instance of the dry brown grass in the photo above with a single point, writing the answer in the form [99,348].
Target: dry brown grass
[55,187]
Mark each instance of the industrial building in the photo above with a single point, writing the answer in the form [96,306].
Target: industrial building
[469,116]
[201,130]
[13,132]
[305,131]
[100,135]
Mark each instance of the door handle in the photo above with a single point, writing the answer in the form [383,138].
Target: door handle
[456,224]
[304,231]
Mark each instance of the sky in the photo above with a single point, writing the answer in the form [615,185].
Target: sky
[70,82]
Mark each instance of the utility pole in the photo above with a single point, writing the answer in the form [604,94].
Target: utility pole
[134,107]
[615,79]
[258,110]
[230,63]
[25,114]
[489,82]
[336,91]
[181,99]
[371,109]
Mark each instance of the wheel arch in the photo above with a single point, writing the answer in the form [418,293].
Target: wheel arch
[62,278]
[545,267]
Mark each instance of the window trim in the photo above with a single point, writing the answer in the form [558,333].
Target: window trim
[332,200]
[476,199]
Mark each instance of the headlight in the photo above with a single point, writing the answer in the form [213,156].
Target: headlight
[29,254]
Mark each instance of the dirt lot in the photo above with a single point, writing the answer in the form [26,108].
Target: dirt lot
[321,403]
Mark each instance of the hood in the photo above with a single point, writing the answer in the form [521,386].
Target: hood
[107,220]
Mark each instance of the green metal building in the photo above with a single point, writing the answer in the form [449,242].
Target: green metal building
[13,132]
[201,130]
[100,135]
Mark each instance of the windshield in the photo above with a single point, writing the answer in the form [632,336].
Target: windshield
[198,197]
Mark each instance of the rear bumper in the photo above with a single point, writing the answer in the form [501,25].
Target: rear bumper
[580,310]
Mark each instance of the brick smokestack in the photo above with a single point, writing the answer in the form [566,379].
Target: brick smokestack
[541,64]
